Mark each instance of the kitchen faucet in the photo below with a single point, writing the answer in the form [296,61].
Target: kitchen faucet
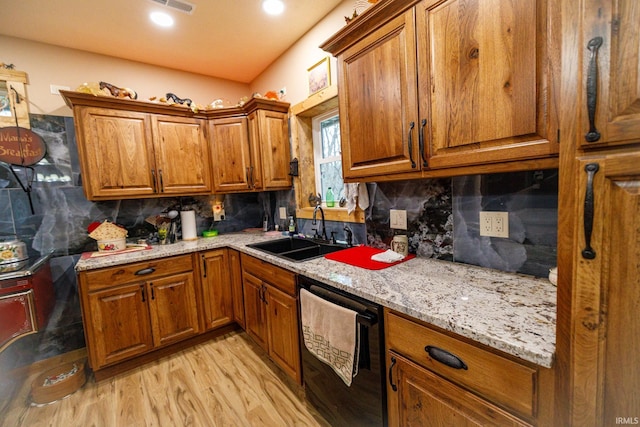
[314,222]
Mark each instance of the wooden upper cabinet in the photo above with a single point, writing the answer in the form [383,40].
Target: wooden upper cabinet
[230,154]
[485,81]
[377,85]
[137,149]
[610,111]
[182,154]
[116,153]
[270,130]
[251,152]
[439,87]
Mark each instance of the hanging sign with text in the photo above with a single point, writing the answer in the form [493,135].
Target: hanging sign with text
[20,146]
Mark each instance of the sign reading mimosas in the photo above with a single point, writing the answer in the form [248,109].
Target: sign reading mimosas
[20,146]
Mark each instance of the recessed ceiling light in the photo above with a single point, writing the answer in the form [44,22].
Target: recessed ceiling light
[162,19]
[273,7]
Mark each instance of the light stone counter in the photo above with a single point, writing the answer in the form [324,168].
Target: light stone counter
[509,312]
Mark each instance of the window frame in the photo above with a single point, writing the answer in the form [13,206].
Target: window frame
[318,158]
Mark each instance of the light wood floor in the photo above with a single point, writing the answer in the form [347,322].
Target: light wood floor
[228,381]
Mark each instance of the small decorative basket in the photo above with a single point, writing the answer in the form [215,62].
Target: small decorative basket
[58,383]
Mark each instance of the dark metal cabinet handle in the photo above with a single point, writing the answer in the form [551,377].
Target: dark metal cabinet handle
[588,252]
[153,294]
[264,295]
[253,181]
[161,181]
[393,363]
[153,178]
[145,271]
[423,151]
[204,266]
[410,143]
[446,358]
[592,88]
[248,181]
[142,292]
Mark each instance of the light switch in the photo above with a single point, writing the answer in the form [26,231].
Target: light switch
[398,219]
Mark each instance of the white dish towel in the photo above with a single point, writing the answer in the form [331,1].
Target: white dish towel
[356,194]
[331,334]
[387,256]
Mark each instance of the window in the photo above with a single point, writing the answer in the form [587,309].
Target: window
[326,154]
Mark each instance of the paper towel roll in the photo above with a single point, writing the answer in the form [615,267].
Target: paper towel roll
[188,220]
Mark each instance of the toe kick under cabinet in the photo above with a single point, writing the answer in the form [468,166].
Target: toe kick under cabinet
[133,309]
[436,378]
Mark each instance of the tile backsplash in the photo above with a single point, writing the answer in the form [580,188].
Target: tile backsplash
[442,217]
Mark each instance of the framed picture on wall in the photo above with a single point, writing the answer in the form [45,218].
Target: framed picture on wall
[319,76]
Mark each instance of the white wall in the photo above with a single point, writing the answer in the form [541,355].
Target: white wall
[47,64]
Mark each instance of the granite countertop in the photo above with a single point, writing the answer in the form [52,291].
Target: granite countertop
[509,312]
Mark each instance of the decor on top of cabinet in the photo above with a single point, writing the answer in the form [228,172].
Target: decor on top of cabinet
[107,89]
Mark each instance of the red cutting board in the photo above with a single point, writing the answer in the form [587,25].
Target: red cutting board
[360,256]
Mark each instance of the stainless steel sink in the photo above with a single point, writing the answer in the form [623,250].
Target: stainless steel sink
[294,249]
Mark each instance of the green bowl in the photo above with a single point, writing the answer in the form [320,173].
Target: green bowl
[209,233]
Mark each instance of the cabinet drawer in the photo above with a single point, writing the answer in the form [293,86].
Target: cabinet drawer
[276,276]
[495,378]
[139,271]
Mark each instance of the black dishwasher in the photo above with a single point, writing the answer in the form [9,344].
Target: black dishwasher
[363,403]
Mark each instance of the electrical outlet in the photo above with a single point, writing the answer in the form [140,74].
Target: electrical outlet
[398,219]
[494,224]
[282,213]
[218,212]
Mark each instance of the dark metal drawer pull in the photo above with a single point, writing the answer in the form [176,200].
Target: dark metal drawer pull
[410,144]
[444,357]
[592,88]
[393,363]
[588,252]
[145,271]
[423,149]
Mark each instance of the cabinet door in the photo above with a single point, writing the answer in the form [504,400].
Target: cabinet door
[182,155]
[417,397]
[236,287]
[117,324]
[606,290]
[255,309]
[485,81]
[377,86]
[230,155]
[610,73]
[284,337]
[256,151]
[272,136]
[116,153]
[216,289]
[17,316]
[174,314]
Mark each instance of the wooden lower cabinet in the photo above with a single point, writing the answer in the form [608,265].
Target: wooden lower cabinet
[215,280]
[418,397]
[235,271]
[471,385]
[132,309]
[271,313]
[255,309]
